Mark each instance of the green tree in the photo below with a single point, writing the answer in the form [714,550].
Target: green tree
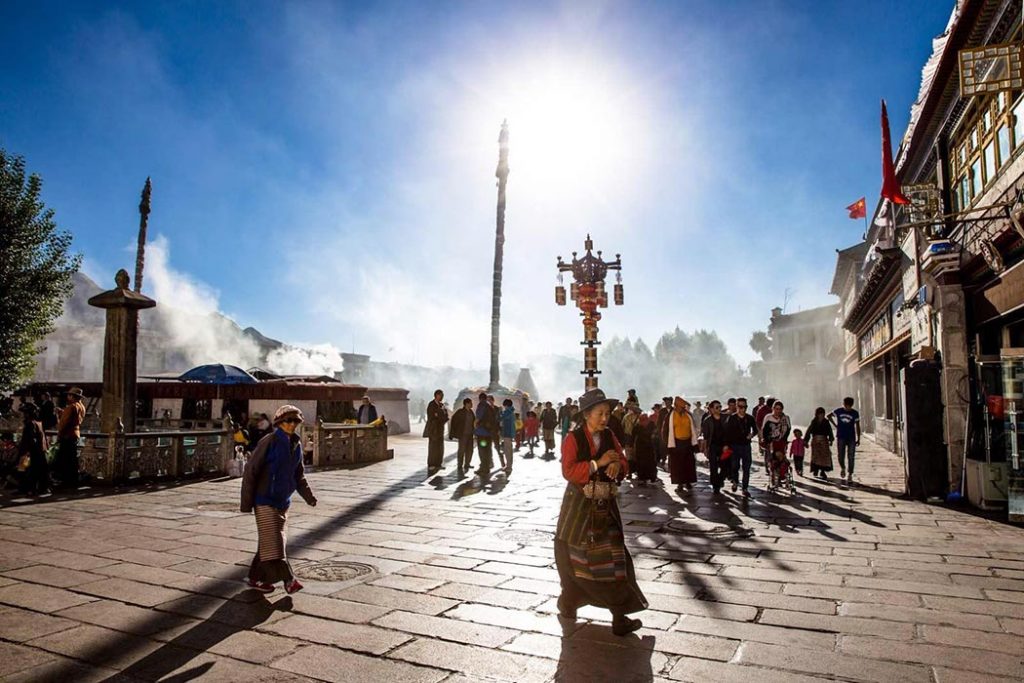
[761,343]
[35,270]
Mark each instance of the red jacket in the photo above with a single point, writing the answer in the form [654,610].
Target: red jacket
[578,471]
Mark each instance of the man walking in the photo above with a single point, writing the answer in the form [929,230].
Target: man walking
[847,422]
[713,431]
[68,433]
[461,429]
[508,435]
[739,430]
[548,422]
[680,437]
[485,432]
[437,416]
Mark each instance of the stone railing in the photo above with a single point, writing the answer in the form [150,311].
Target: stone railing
[115,458]
[344,444]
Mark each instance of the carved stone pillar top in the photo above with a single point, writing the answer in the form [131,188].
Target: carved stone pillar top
[121,296]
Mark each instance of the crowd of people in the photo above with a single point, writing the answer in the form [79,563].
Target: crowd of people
[666,438]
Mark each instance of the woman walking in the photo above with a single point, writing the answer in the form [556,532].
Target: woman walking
[36,479]
[594,566]
[272,475]
[820,437]
[775,431]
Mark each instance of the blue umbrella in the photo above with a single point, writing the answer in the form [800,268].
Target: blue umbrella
[218,373]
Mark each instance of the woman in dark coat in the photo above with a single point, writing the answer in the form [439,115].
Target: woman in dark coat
[36,479]
[820,437]
[643,447]
[272,475]
[594,566]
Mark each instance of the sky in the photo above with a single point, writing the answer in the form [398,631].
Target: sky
[324,171]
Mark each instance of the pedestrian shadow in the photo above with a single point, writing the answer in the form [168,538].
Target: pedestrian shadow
[625,660]
[492,485]
[300,538]
[230,618]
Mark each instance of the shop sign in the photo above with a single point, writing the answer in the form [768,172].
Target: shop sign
[901,317]
[920,328]
[877,336]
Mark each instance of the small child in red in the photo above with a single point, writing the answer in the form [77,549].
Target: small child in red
[796,451]
[531,429]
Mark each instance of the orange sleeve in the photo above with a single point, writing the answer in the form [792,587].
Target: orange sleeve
[576,471]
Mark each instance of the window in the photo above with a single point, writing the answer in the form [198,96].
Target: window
[965,191]
[986,122]
[1003,135]
[990,162]
[1018,124]
[975,179]
[973,139]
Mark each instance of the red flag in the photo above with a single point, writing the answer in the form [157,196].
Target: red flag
[859,209]
[891,189]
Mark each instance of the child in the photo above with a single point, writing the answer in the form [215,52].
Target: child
[519,432]
[531,428]
[780,465]
[796,451]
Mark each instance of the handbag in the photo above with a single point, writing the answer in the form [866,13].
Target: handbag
[600,490]
[23,462]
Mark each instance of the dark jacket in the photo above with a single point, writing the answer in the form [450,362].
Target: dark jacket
[33,441]
[461,426]
[48,415]
[820,427]
[739,429]
[371,414]
[486,421]
[714,432]
[548,418]
[274,473]
[436,417]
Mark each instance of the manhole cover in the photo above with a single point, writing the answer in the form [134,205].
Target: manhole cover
[217,506]
[719,531]
[523,535]
[332,570]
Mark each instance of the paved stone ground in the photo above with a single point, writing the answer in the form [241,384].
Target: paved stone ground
[836,583]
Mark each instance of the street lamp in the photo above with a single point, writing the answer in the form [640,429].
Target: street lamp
[588,291]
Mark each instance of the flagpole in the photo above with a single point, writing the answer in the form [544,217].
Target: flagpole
[865,220]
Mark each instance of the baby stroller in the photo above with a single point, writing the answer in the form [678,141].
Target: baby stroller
[780,471]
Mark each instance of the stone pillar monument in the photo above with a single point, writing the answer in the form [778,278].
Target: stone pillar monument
[120,349]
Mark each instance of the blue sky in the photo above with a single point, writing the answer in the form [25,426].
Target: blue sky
[324,171]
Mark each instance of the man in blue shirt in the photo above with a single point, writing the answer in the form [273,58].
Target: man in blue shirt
[847,422]
[508,434]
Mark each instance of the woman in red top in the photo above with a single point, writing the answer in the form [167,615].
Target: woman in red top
[594,566]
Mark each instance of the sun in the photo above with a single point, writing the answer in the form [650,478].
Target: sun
[574,129]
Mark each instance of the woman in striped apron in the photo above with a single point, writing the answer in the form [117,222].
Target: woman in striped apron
[594,566]
[272,475]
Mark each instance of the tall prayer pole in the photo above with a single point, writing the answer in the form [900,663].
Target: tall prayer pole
[499,250]
[140,254]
